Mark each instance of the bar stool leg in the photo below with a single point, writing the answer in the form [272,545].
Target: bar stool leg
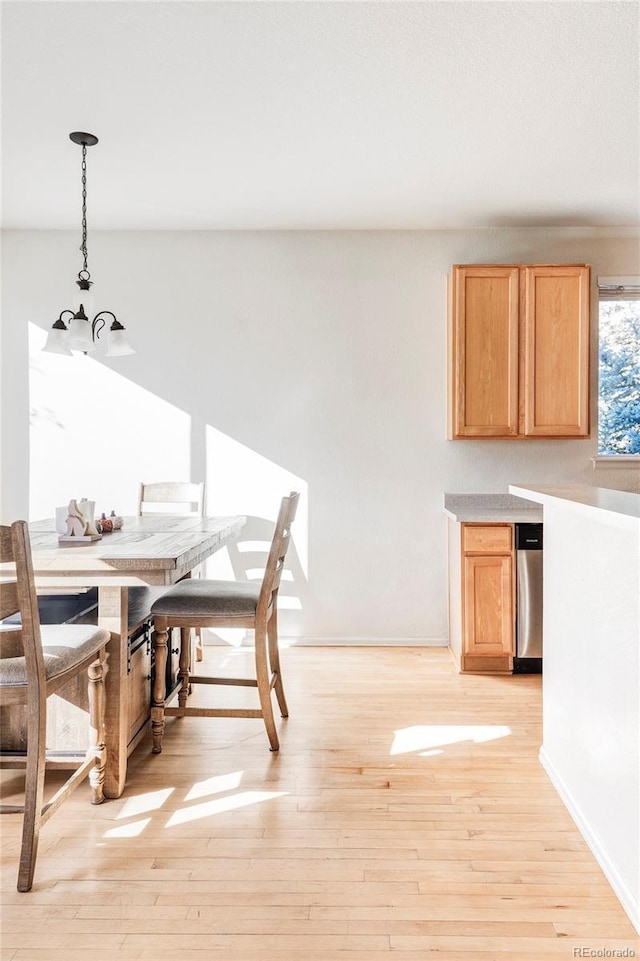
[264,686]
[184,666]
[34,795]
[274,661]
[96,722]
[159,640]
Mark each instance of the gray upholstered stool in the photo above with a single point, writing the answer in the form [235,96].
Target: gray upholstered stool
[193,604]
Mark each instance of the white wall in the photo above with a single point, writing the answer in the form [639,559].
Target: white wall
[270,360]
[591,717]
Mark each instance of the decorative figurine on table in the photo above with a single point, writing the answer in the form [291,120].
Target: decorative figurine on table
[75,521]
[88,509]
[81,528]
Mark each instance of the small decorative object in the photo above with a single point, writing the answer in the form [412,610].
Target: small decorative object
[75,520]
[88,509]
[61,519]
[80,525]
[106,524]
[117,521]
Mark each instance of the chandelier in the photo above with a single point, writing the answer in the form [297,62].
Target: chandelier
[74,330]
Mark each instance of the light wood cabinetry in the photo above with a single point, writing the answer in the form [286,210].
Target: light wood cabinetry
[488,609]
[487,539]
[482,597]
[519,351]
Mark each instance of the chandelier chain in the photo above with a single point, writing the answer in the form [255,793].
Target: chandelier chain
[83,248]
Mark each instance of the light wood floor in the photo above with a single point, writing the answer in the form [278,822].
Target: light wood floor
[406,816]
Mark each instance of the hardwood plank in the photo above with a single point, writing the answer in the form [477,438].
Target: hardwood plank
[455,848]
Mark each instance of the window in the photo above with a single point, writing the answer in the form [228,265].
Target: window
[619,367]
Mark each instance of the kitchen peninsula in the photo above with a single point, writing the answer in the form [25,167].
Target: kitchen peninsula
[591,679]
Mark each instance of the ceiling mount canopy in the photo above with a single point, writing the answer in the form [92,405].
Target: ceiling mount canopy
[73,330]
[83,139]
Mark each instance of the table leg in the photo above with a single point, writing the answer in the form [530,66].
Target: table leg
[113,614]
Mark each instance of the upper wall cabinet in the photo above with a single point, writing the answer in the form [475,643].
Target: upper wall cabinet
[519,351]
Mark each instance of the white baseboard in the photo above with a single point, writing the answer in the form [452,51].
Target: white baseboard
[364,641]
[627,899]
[343,641]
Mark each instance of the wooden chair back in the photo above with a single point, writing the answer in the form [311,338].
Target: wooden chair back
[18,596]
[186,497]
[278,552]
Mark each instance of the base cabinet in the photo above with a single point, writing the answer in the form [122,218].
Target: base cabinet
[482,597]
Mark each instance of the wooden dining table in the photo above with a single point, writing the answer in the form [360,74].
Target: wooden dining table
[155,549]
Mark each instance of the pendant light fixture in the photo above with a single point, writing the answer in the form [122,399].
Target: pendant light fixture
[74,330]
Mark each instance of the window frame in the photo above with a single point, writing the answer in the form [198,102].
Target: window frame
[614,288]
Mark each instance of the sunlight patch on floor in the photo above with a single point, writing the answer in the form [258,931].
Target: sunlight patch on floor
[154,800]
[215,785]
[131,830]
[141,803]
[221,804]
[425,737]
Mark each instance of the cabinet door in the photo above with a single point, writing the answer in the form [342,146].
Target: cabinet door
[488,605]
[556,351]
[484,351]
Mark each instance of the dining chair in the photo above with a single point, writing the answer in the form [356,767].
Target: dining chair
[35,662]
[181,497]
[187,496]
[208,603]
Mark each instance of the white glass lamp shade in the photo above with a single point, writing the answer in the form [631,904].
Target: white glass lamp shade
[58,341]
[83,298]
[118,341]
[80,334]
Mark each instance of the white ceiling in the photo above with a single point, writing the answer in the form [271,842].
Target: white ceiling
[322,114]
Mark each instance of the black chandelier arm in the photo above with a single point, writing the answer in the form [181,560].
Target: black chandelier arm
[99,319]
[59,324]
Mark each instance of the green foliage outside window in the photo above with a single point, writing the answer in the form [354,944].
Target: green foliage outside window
[619,380]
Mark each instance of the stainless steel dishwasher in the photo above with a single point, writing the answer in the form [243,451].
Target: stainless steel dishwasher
[528,659]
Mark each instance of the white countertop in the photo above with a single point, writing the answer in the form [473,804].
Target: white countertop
[623,503]
[491,509]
